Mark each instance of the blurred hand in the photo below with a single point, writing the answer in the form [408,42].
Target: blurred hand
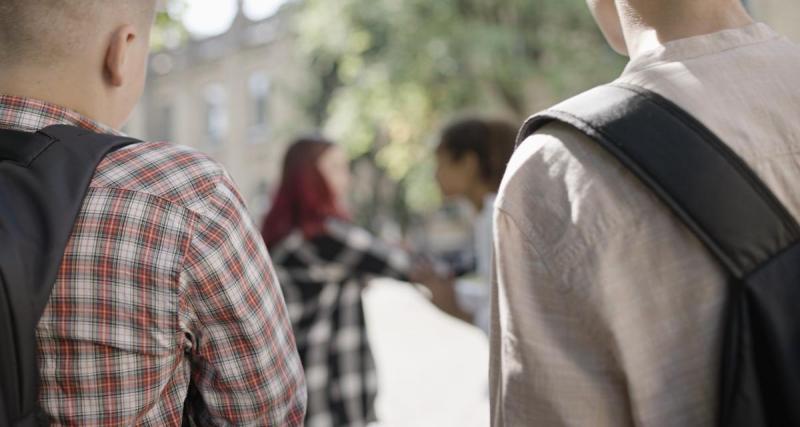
[441,287]
[424,271]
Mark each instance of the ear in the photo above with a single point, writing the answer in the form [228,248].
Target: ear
[118,53]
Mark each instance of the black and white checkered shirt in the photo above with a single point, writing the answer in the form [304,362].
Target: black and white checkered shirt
[322,279]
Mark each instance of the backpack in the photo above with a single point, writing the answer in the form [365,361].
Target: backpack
[44,177]
[735,216]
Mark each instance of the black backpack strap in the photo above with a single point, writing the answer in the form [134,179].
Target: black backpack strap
[44,177]
[699,177]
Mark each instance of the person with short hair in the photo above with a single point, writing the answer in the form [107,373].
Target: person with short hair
[607,310]
[471,159]
[166,309]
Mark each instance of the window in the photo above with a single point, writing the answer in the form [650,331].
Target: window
[259,86]
[216,109]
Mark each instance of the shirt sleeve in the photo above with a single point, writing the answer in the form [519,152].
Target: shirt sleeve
[606,309]
[245,365]
[369,255]
[557,371]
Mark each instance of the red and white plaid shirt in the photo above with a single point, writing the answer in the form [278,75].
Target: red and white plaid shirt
[165,286]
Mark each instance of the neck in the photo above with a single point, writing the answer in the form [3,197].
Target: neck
[646,25]
[477,195]
[62,90]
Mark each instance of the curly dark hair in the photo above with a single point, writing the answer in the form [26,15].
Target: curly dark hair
[492,141]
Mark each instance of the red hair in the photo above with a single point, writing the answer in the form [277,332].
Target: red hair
[304,201]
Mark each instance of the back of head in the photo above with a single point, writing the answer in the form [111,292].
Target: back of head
[303,200]
[492,141]
[86,55]
[47,32]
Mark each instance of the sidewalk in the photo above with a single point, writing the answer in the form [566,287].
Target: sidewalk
[432,368]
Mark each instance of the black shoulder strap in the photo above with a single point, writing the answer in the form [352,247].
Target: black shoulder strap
[44,177]
[699,177]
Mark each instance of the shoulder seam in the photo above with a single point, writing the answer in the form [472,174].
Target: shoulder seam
[529,239]
[216,180]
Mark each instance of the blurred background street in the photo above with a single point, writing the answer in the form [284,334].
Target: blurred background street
[431,367]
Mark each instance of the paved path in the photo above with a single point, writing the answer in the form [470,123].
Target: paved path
[432,368]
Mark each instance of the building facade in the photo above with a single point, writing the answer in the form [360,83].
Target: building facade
[235,96]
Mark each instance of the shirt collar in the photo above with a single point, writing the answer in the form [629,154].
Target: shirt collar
[700,46]
[31,115]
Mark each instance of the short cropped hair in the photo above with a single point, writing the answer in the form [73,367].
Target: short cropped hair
[491,140]
[43,31]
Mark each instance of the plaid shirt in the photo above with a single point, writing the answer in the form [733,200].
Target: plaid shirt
[322,279]
[165,289]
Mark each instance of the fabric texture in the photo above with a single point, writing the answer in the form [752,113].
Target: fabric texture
[322,279]
[607,311]
[473,290]
[43,179]
[165,286]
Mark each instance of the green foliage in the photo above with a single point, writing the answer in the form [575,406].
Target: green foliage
[391,72]
[168,30]
[388,74]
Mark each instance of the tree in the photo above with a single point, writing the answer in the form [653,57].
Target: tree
[391,72]
[387,74]
[168,30]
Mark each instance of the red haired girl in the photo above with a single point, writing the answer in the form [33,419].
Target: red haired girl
[323,262]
